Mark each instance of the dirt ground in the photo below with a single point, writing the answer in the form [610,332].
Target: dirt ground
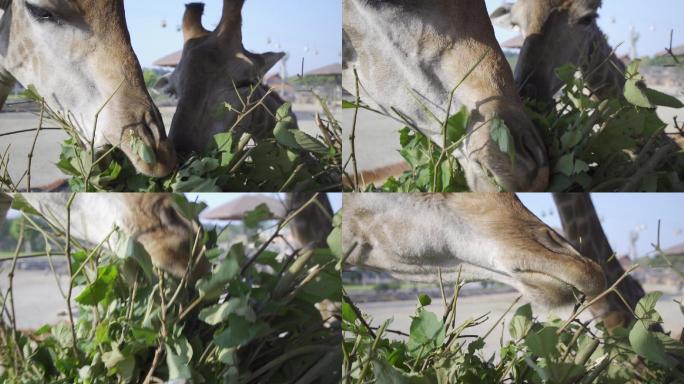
[475,306]
[48,145]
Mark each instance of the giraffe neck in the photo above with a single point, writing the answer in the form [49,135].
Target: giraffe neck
[603,71]
[582,225]
[583,229]
[313,224]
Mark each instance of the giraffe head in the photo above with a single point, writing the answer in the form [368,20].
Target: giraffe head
[556,32]
[78,55]
[409,55]
[474,236]
[216,78]
[168,236]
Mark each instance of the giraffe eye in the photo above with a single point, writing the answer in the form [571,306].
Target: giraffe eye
[42,14]
[587,19]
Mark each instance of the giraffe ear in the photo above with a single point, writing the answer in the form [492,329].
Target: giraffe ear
[268,60]
[503,16]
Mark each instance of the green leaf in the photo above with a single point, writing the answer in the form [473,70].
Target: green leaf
[647,345]
[635,93]
[348,313]
[178,364]
[521,323]
[128,247]
[457,126]
[285,136]
[570,139]
[224,144]
[284,112]
[197,184]
[580,166]
[19,203]
[221,312]
[309,143]
[256,216]
[424,300]
[239,332]
[117,363]
[426,330]
[385,373]
[502,136]
[335,242]
[566,73]
[661,99]
[189,210]
[645,308]
[543,343]
[565,165]
[98,290]
[348,105]
[147,154]
[213,286]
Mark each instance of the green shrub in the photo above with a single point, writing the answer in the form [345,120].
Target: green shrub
[290,160]
[602,146]
[253,319]
[437,350]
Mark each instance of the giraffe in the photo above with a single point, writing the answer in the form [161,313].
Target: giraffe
[409,55]
[79,57]
[311,228]
[149,218]
[419,237]
[583,229]
[313,225]
[218,82]
[545,24]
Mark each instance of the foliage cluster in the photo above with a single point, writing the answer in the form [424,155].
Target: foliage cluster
[593,145]
[438,350]
[252,319]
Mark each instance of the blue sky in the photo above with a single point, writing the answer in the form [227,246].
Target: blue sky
[309,29]
[623,212]
[652,19]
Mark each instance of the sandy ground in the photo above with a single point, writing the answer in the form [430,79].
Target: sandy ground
[377,142]
[48,145]
[38,300]
[475,306]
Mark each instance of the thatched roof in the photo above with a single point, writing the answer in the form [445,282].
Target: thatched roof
[514,43]
[328,70]
[171,60]
[236,209]
[675,250]
[677,51]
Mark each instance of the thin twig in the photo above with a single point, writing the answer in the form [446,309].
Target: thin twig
[33,145]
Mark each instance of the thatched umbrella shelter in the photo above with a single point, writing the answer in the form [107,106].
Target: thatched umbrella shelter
[328,70]
[169,61]
[236,209]
[514,43]
[676,51]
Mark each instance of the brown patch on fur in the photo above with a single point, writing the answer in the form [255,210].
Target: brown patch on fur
[166,235]
[231,20]
[192,22]
[521,231]
[378,175]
